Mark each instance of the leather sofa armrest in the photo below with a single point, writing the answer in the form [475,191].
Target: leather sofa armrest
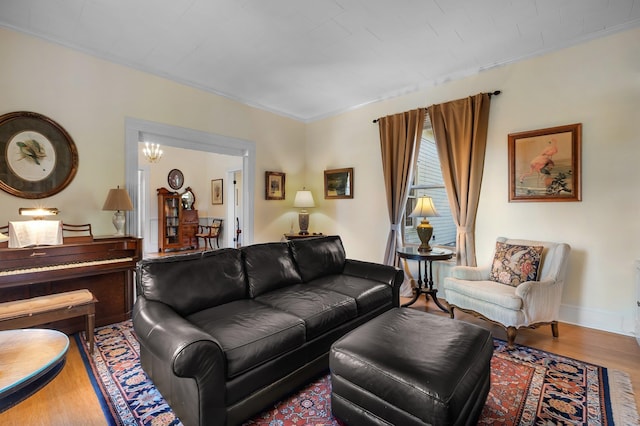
[471,273]
[186,348]
[385,274]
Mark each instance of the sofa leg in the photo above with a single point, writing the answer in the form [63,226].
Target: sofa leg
[511,337]
[554,329]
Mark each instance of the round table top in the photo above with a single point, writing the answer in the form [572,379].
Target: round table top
[28,355]
[412,252]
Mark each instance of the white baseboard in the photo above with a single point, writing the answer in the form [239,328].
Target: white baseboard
[614,322]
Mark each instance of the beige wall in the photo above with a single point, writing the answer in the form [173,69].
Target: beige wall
[90,98]
[596,84]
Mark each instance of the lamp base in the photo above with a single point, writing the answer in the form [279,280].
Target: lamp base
[303,222]
[119,221]
[425,231]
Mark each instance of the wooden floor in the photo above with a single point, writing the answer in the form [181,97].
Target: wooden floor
[69,399]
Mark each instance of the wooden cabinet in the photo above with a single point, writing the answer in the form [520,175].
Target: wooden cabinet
[189,221]
[169,209]
[177,226]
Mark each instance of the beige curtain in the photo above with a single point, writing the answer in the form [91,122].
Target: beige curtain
[399,141]
[460,130]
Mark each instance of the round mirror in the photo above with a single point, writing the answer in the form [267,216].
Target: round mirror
[188,199]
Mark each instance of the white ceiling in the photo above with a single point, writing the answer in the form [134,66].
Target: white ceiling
[309,59]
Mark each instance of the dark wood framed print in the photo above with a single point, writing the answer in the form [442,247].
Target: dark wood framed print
[175,179]
[38,158]
[216,191]
[338,183]
[545,164]
[274,186]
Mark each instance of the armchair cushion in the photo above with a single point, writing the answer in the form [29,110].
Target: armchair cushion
[515,264]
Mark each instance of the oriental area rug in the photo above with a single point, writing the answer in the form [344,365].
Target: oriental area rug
[528,387]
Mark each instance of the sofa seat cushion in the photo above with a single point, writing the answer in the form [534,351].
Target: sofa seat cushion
[250,332]
[368,294]
[492,292]
[320,308]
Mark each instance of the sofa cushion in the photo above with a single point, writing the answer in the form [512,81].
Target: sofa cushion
[515,264]
[317,257]
[268,267]
[250,332]
[368,294]
[195,281]
[320,308]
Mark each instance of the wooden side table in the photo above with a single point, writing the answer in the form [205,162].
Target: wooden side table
[426,257]
[30,359]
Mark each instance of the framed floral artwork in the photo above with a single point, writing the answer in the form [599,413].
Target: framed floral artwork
[216,191]
[545,164]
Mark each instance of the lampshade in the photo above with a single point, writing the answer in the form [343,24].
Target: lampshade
[118,200]
[424,208]
[303,199]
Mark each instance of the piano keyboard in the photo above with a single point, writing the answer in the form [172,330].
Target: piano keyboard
[64,266]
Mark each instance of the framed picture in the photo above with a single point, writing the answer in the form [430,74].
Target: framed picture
[338,183]
[216,191]
[38,158]
[544,165]
[274,186]
[175,178]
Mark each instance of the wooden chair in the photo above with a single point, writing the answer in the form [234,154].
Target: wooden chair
[210,232]
[5,231]
[76,233]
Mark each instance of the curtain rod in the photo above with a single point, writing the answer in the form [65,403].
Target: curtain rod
[495,92]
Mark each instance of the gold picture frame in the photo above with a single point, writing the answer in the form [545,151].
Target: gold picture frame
[217,192]
[38,158]
[274,186]
[545,164]
[338,183]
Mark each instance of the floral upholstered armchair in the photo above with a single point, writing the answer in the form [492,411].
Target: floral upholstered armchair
[522,287]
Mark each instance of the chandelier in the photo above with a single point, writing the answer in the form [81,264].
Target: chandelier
[152,152]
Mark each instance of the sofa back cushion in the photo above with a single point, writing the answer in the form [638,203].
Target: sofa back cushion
[195,281]
[268,267]
[318,257]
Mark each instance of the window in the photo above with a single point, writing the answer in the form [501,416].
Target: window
[427,181]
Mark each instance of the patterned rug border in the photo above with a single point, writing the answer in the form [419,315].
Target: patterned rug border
[109,415]
[616,400]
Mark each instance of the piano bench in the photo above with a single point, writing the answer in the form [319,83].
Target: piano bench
[53,307]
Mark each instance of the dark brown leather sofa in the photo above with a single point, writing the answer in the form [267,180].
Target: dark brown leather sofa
[225,333]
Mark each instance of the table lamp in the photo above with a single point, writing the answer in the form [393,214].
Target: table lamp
[304,200]
[424,208]
[118,200]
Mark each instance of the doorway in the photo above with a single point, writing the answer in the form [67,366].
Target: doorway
[167,135]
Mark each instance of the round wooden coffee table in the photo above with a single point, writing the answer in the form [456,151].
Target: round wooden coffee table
[30,359]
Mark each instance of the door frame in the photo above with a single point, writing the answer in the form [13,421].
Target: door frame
[137,130]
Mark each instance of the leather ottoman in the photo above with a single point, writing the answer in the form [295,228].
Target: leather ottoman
[407,367]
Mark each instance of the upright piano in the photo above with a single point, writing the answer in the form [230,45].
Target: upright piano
[104,266]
